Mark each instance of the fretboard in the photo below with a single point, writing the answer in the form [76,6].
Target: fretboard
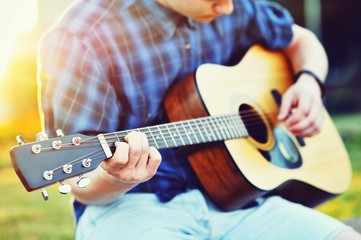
[191,132]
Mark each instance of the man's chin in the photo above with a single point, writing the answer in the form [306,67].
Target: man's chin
[205,19]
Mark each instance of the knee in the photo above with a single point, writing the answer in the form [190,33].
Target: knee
[349,235]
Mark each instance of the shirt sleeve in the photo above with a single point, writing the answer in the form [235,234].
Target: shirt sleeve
[75,93]
[267,23]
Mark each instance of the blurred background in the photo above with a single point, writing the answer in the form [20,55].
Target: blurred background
[25,215]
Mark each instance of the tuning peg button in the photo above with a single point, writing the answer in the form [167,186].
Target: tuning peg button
[44,193]
[64,188]
[20,140]
[59,133]
[83,182]
[41,136]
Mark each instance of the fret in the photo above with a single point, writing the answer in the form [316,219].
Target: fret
[161,133]
[146,132]
[151,134]
[157,137]
[171,135]
[215,128]
[186,132]
[236,125]
[190,132]
[207,131]
[220,127]
[195,131]
[192,129]
[179,134]
[231,126]
[116,135]
[226,127]
[242,127]
[199,131]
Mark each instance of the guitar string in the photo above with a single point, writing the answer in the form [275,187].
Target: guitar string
[169,134]
[183,131]
[78,160]
[198,122]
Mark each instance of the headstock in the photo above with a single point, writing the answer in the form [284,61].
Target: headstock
[47,161]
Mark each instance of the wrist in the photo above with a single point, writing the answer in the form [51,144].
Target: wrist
[315,77]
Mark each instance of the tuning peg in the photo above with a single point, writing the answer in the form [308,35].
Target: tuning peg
[64,188]
[40,136]
[20,140]
[83,182]
[59,133]
[44,194]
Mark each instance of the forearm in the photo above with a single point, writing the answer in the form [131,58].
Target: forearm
[307,53]
[103,188]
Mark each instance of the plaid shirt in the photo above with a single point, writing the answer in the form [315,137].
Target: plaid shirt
[107,65]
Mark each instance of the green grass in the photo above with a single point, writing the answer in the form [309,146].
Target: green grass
[27,216]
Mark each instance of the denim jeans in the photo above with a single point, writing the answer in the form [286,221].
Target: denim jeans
[140,216]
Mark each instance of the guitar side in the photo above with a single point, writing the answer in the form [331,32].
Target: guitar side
[236,171]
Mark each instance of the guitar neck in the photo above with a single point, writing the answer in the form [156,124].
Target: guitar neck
[190,132]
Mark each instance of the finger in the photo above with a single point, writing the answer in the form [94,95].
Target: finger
[154,161]
[310,121]
[118,160]
[136,148]
[307,132]
[304,105]
[300,116]
[143,160]
[288,100]
[310,126]
[316,122]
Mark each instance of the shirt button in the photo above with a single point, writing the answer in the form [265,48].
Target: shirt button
[148,116]
[187,46]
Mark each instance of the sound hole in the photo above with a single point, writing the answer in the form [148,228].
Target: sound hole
[254,123]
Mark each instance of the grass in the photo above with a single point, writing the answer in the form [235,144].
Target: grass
[27,216]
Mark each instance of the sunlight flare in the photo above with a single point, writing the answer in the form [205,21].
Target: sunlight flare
[16,17]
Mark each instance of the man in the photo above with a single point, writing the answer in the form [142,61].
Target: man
[106,66]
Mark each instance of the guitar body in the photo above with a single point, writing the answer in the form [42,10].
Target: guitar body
[270,160]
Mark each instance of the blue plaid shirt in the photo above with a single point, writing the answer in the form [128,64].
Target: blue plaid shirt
[107,65]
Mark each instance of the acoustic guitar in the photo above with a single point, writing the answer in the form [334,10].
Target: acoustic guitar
[228,118]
